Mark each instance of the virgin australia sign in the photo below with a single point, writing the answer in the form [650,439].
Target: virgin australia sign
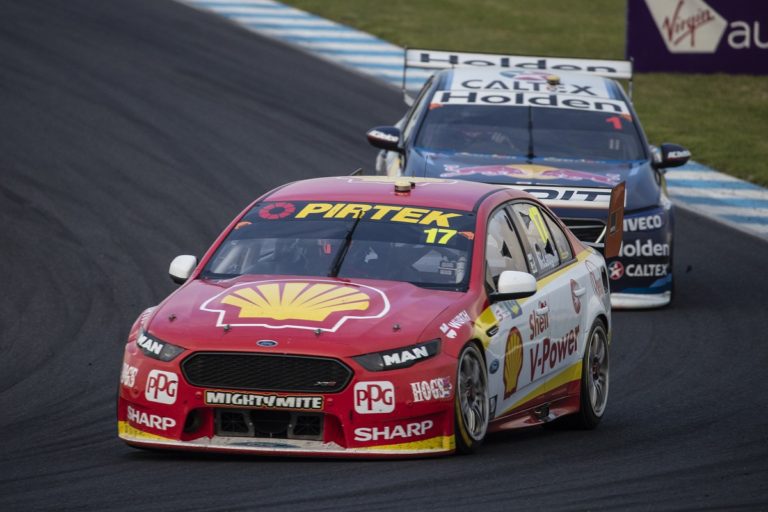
[698,36]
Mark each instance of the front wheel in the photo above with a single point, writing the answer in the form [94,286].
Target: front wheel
[595,378]
[471,402]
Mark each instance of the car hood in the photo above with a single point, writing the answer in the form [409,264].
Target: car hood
[312,316]
[643,189]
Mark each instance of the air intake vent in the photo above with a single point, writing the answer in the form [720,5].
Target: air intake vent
[586,230]
[266,372]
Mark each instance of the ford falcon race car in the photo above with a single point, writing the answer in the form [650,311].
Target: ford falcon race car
[560,129]
[372,317]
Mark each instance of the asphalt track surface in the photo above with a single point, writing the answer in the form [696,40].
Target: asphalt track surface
[133,130]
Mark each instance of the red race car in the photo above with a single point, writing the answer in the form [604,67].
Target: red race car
[368,316]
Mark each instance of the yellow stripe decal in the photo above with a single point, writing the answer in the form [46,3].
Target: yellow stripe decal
[567,375]
[126,430]
[433,443]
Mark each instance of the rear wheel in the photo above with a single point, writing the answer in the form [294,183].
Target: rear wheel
[595,379]
[471,402]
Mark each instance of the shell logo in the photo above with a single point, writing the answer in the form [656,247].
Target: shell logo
[513,361]
[300,304]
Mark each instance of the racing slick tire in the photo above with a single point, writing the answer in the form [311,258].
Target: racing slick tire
[595,380]
[471,410]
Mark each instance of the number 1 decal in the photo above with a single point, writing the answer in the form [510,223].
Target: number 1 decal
[615,121]
[433,232]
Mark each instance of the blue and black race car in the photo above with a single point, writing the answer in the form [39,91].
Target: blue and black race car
[564,131]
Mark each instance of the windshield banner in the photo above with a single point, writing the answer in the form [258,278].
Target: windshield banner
[529,99]
[698,36]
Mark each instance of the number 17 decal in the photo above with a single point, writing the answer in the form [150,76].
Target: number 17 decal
[433,232]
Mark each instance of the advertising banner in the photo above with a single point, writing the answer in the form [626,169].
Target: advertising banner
[698,36]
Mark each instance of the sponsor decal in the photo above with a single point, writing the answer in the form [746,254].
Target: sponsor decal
[513,361]
[595,278]
[647,223]
[374,397]
[538,323]
[161,387]
[492,406]
[506,309]
[575,298]
[530,99]
[399,357]
[494,367]
[445,59]
[391,433]
[266,343]
[615,270]
[275,211]
[536,83]
[144,419]
[687,26]
[149,344]
[390,213]
[528,76]
[553,352]
[299,304]
[679,154]
[646,249]
[449,329]
[263,401]
[646,269]
[128,375]
[567,196]
[435,389]
[378,134]
[531,172]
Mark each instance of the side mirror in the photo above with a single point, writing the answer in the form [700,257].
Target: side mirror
[385,137]
[671,155]
[514,285]
[181,268]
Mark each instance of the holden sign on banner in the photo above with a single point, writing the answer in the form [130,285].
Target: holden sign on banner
[698,36]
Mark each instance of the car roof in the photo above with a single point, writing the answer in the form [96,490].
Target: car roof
[501,79]
[429,192]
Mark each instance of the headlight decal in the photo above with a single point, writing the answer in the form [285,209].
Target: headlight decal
[399,358]
[157,349]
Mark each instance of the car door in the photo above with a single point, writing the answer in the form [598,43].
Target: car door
[505,322]
[561,283]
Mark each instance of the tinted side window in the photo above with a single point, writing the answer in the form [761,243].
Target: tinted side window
[502,248]
[418,107]
[561,241]
[539,238]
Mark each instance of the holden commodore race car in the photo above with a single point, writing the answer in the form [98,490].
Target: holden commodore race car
[366,316]
[561,129]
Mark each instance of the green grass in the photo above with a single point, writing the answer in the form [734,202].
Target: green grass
[722,119]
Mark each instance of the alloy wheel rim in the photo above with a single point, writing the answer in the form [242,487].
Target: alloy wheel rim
[473,395]
[598,372]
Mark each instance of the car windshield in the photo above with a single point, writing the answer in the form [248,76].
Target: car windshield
[424,246]
[530,132]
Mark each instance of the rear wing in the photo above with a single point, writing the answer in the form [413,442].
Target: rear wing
[442,59]
[612,201]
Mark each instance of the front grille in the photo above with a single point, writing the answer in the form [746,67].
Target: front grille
[586,230]
[266,372]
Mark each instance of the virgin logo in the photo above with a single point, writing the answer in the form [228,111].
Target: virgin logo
[687,26]
[678,28]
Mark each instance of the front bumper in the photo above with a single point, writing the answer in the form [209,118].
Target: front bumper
[377,414]
[640,300]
